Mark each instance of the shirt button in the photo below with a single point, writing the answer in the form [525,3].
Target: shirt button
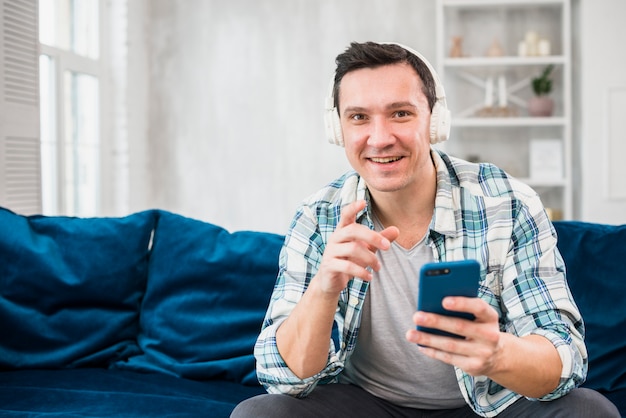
[353,301]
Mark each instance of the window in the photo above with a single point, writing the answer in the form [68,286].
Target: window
[70,97]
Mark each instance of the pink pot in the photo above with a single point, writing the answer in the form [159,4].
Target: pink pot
[540,106]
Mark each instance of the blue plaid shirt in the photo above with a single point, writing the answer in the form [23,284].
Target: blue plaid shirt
[480,213]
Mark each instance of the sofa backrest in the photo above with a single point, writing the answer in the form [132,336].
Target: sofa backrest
[152,291]
[595,259]
[156,291]
[205,300]
[70,288]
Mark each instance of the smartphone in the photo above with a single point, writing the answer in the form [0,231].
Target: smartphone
[448,278]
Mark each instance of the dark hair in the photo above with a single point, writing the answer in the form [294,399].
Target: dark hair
[373,55]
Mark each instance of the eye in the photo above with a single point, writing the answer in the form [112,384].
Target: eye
[402,114]
[357,117]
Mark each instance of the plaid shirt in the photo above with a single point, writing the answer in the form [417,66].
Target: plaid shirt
[480,213]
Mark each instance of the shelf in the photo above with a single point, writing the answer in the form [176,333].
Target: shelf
[509,3]
[504,122]
[542,183]
[503,61]
[488,53]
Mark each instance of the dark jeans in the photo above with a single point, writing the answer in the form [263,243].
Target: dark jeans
[339,400]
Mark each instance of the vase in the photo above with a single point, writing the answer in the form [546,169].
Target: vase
[456,51]
[540,106]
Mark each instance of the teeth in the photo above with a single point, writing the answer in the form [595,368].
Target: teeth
[385,160]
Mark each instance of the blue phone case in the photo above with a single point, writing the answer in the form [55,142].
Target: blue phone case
[448,278]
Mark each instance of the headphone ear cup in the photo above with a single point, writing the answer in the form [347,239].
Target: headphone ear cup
[439,123]
[333,127]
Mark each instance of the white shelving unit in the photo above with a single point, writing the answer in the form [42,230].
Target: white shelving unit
[497,127]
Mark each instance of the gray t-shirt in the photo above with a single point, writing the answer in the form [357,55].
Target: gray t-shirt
[384,363]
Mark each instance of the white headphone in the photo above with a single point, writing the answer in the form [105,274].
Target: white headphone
[439,118]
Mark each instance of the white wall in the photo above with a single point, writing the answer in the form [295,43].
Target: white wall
[235,90]
[602,98]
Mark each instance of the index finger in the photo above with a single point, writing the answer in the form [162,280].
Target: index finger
[349,211]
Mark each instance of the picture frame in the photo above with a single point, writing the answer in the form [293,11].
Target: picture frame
[546,159]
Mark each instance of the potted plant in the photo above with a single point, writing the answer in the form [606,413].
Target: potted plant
[541,104]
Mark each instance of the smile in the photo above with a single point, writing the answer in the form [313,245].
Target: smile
[385,160]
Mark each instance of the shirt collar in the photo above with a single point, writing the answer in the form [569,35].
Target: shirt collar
[362,193]
[445,221]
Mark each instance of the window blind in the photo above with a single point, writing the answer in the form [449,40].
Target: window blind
[20,172]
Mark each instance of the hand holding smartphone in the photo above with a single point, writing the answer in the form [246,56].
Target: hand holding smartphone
[449,278]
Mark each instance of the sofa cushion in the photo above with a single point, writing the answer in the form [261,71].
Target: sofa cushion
[70,288]
[594,256]
[206,297]
[115,393]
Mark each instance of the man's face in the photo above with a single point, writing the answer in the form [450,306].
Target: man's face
[385,120]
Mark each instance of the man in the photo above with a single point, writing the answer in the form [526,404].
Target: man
[352,255]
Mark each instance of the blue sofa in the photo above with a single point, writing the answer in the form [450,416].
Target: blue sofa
[156,314]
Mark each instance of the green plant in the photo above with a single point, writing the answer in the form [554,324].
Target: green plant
[542,85]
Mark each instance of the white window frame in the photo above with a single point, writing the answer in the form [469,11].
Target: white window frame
[64,60]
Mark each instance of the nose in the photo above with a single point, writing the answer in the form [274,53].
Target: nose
[381,133]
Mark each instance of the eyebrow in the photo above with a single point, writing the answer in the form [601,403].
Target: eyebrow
[391,106]
[401,104]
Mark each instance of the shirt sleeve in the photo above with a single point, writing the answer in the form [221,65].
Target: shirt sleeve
[299,261]
[537,298]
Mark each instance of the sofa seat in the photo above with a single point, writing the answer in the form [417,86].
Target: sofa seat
[97,392]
